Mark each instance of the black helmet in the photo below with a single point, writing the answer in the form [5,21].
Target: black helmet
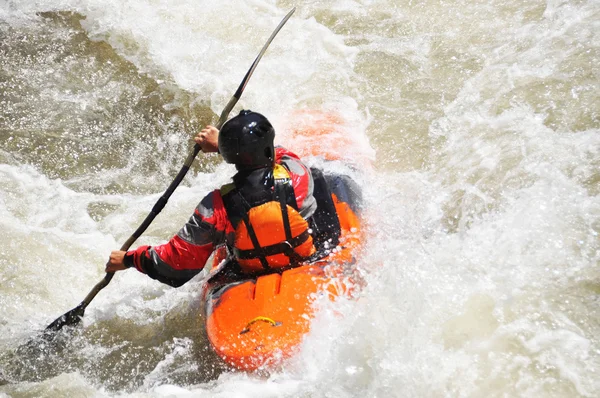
[247,141]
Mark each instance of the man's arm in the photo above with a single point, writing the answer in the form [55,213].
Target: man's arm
[185,255]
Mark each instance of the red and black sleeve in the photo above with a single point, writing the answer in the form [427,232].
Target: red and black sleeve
[185,255]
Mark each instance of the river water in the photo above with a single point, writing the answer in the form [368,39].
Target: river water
[474,127]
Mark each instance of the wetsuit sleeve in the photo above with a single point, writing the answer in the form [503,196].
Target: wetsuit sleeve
[302,180]
[184,255]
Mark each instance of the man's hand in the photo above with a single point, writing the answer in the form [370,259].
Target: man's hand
[208,139]
[115,262]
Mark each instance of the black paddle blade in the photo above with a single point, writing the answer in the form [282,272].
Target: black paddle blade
[71,318]
[50,340]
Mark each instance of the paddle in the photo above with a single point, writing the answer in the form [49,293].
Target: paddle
[74,316]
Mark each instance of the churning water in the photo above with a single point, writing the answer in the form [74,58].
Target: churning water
[482,119]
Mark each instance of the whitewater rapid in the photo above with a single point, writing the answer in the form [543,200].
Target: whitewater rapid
[475,132]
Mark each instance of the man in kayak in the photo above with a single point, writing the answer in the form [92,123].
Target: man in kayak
[276,214]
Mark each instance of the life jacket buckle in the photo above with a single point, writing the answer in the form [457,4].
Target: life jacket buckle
[291,253]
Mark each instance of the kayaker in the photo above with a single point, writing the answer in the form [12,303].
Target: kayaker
[276,214]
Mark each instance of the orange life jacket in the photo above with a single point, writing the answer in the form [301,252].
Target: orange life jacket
[270,233]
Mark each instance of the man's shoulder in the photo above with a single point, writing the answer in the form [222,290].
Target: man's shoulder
[224,190]
[281,153]
[298,170]
[214,198]
[290,160]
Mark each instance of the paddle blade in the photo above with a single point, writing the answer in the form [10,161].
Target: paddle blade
[71,318]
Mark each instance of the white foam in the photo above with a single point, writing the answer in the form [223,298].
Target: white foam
[482,263]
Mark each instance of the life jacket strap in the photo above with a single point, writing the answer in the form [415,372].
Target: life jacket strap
[282,193]
[258,249]
[286,248]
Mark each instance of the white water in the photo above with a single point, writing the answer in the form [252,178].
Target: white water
[482,254]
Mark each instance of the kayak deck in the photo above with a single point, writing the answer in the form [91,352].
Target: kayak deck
[258,323]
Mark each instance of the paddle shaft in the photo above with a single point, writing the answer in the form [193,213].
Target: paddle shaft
[75,314]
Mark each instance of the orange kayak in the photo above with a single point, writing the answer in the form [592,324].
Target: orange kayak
[258,323]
